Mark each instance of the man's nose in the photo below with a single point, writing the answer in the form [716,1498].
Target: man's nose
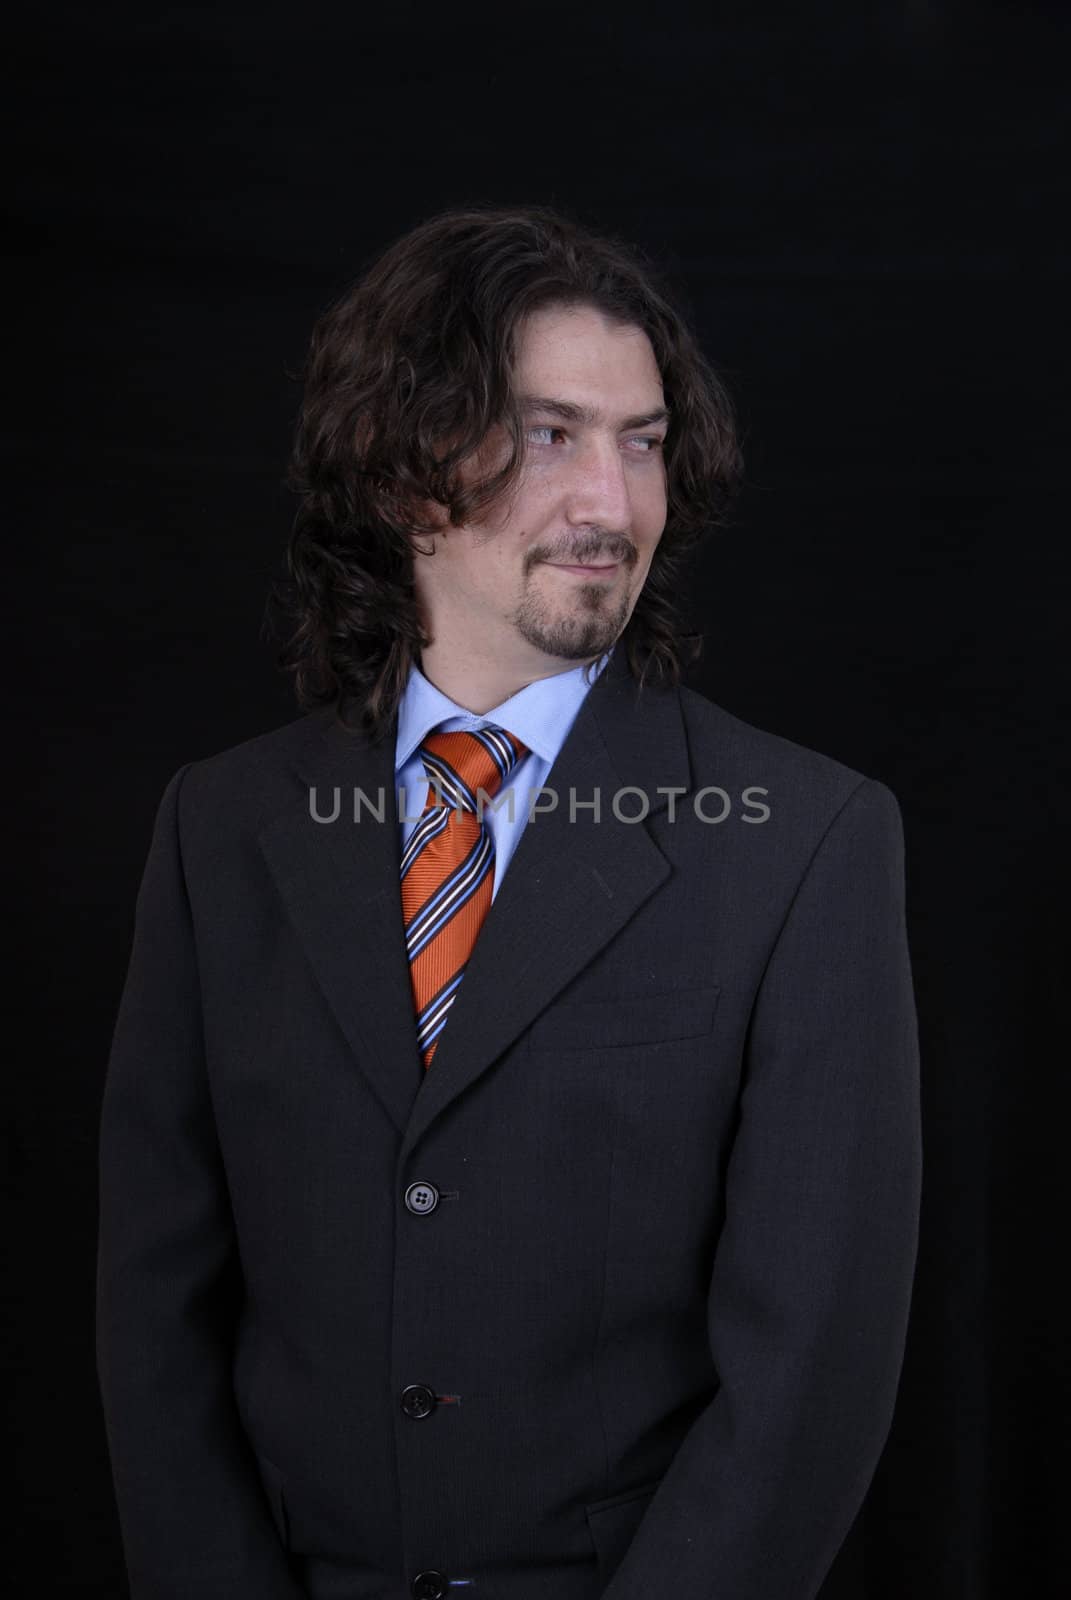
[598,488]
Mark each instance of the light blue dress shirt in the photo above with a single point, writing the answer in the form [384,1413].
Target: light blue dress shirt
[540,715]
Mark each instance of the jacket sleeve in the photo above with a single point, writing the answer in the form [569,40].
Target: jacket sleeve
[812,1274]
[195,1520]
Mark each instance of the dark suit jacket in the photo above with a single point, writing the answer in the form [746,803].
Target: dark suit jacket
[610,1301]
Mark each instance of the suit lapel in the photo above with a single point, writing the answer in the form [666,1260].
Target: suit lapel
[339,882]
[570,887]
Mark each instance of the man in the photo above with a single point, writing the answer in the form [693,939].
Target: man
[510,1151]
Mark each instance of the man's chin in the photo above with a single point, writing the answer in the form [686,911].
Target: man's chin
[571,644]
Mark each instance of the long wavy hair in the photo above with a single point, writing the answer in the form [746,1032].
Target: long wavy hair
[406,374]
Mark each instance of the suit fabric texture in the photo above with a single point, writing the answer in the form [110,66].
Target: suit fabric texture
[612,1300]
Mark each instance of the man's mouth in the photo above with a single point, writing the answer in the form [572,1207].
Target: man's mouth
[594,569]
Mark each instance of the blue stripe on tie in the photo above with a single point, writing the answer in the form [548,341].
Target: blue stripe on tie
[451,785]
[498,746]
[430,826]
[453,789]
[432,1019]
[451,896]
[445,890]
[448,901]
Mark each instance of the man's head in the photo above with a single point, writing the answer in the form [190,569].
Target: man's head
[502,596]
[502,397]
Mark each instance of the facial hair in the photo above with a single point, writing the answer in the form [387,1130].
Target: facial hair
[588,628]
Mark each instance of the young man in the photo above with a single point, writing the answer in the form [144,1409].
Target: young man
[510,1151]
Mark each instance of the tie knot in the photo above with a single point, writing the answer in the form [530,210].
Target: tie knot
[458,764]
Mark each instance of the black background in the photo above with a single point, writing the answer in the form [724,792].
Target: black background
[860,206]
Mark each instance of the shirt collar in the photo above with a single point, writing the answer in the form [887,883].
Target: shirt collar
[540,714]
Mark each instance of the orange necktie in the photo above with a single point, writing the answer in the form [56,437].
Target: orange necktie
[448,868]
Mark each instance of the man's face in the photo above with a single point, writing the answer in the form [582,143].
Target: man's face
[557,571]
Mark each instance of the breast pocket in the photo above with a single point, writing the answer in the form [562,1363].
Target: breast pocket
[635,1019]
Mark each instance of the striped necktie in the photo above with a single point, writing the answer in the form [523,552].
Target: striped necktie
[448,868]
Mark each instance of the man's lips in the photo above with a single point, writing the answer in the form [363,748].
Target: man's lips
[591,569]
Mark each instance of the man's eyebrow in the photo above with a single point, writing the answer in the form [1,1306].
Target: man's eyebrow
[567,411]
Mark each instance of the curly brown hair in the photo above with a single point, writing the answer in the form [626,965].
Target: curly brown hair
[406,374]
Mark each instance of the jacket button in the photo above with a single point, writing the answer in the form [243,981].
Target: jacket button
[418,1400]
[430,1585]
[421,1198]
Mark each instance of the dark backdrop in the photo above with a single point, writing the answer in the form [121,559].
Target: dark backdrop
[860,204]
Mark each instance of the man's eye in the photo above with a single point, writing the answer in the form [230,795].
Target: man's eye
[542,428]
[649,443]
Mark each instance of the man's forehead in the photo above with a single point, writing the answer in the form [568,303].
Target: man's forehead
[558,332]
[577,356]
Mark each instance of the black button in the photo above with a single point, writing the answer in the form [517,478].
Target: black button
[418,1400]
[430,1585]
[421,1198]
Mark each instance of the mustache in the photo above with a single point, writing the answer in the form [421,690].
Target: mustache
[598,549]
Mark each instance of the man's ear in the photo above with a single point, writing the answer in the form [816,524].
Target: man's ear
[428,523]
[422,522]
[405,512]
[421,517]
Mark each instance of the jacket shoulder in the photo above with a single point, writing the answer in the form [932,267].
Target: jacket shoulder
[249,780]
[265,750]
[813,784]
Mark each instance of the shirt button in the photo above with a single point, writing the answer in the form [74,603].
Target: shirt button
[421,1198]
[418,1400]
[429,1585]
